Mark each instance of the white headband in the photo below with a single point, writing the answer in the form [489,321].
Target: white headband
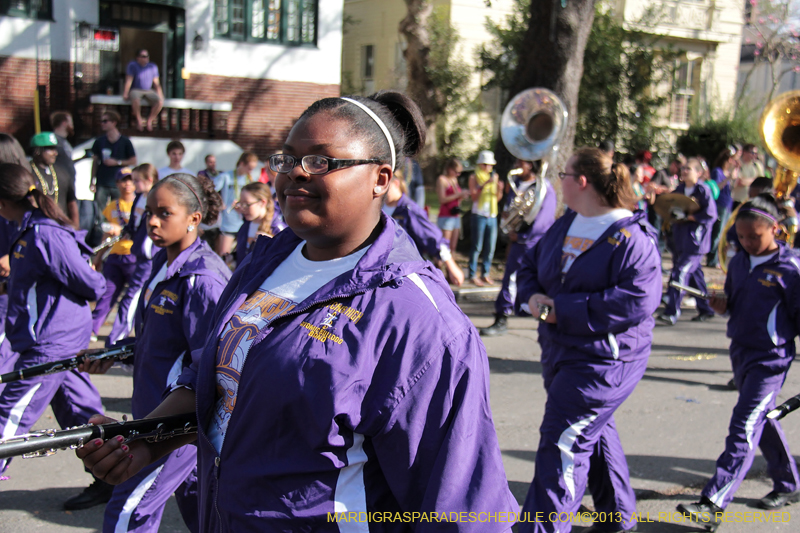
[379,122]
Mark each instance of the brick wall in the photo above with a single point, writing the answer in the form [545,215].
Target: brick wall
[263,110]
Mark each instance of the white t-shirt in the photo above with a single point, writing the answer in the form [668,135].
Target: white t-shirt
[166,171]
[288,286]
[584,231]
[760,260]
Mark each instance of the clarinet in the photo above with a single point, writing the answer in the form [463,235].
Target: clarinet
[49,441]
[54,367]
[785,408]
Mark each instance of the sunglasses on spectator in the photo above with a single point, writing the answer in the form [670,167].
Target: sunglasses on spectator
[144,56]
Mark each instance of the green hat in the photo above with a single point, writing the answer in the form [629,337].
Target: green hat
[44,140]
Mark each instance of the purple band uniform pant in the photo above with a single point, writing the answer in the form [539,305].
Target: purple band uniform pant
[138,504]
[686,270]
[579,445]
[118,270]
[504,305]
[71,394]
[759,385]
[123,323]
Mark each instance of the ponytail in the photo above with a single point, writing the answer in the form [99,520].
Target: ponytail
[613,185]
[17,185]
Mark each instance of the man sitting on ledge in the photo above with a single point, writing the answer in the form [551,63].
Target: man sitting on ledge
[141,81]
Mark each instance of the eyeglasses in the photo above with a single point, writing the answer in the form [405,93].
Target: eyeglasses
[314,164]
[562,175]
[242,205]
[144,56]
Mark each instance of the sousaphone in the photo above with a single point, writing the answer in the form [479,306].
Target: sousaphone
[531,128]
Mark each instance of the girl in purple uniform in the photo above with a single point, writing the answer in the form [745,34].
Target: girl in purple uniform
[597,271]
[428,238]
[172,319]
[762,296]
[339,376]
[691,238]
[257,209]
[49,288]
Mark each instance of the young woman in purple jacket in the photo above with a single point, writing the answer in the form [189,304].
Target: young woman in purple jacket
[595,281]
[762,297]
[339,376]
[49,288]
[691,240]
[172,319]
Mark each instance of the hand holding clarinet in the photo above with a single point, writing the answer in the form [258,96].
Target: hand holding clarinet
[717,301]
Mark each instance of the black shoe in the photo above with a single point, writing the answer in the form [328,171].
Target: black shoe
[776,500]
[663,320]
[732,384]
[703,317]
[704,512]
[500,327]
[98,493]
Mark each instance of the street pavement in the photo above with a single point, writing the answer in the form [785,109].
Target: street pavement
[673,429]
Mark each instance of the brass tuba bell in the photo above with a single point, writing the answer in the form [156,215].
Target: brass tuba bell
[780,130]
[531,128]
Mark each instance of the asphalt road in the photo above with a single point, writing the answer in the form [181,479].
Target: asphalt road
[673,429]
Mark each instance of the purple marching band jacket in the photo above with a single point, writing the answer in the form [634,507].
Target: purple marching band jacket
[374,391]
[694,238]
[769,295]
[529,235]
[7,231]
[242,247]
[49,288]
[173,320]
[427,237]
[604,303]
[142,248]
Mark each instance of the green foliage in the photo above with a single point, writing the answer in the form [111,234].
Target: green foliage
[710,137]
[498,58]
[617,98]
[450,75]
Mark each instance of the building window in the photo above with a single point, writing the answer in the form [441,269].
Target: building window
[34,9]
[687,76]
[280,21]
[367,62]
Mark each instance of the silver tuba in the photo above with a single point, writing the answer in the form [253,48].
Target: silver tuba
[531,128]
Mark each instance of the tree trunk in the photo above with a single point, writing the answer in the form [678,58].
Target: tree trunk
[552,57]
[414,27]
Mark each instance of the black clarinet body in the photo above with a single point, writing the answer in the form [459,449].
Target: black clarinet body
[792,404]
[63,365]
[48,441]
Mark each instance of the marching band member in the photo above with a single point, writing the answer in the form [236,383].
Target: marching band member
[172,320]
[427,237]
[120,265]
[49,288]
[762,296]
[691,241]
[257,209]
[144,176]
[597,271]
[381,403]
[522,241]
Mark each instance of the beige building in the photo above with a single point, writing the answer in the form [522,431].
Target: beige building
[708,32]
[372,48]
